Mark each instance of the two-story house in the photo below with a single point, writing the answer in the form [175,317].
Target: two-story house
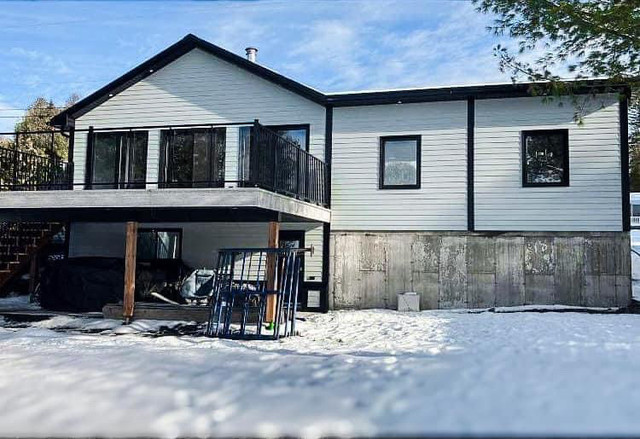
[471,196]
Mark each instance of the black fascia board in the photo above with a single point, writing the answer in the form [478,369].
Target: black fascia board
[489,91]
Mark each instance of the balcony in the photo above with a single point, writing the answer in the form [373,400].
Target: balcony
[196,169]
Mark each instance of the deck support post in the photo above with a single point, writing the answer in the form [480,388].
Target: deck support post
[130,270]
[274,233]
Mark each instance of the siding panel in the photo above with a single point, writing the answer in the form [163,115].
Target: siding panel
[592,202]
[440,203]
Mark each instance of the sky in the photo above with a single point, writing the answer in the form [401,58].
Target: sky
[53,49]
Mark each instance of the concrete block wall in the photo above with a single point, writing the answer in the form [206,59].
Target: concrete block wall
[480,270]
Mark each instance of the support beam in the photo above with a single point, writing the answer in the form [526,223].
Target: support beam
[471,126]
[130,270]
[624,161]
[274,236]
[326,258]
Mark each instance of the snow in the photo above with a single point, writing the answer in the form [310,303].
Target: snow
[350,373]
[18,302]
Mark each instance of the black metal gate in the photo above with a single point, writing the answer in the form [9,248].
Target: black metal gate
[242,290]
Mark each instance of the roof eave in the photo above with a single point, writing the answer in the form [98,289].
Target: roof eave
[169,55]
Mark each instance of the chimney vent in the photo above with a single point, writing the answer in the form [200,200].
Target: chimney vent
[251,53]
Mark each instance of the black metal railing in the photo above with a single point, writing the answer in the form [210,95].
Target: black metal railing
[280,165]
[269,161]
[24,171]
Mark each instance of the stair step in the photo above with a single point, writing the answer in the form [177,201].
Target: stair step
[17,240]
[20,240]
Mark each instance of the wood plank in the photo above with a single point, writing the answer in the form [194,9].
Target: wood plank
[165,311]
[274,235]
[130,270]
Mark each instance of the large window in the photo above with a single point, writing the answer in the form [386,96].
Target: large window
[192,157]
[118,160]
[545,158]
[400,162]
[159,244]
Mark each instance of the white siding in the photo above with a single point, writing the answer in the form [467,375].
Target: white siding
[440,203]
[592,202]
[200,88]
[200,241]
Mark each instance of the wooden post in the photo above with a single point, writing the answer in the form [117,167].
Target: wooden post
[130,270]
[274,233]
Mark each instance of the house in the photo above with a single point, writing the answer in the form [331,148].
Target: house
[635,210]
[472,196]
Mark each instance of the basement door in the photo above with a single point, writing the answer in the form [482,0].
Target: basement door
[295,239]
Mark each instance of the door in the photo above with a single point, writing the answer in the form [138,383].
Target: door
[295,239]
[119,160]
[193,157]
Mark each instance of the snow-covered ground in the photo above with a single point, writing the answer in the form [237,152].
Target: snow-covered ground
[351,373]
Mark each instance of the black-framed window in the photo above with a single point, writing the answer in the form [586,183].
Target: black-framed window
[192,157]
[545,158]
[118,160]
[159,244]
[400,162]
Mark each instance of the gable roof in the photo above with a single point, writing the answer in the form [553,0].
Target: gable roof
[344,99]
[166,57]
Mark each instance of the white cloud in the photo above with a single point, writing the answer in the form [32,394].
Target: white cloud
[39,60]
[330,45]
[395,44]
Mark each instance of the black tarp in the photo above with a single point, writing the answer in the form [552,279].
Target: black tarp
[89,283]
[82,284]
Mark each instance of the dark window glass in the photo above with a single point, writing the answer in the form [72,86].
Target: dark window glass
[400,162]
[119,160]
[137,160]
[545,158]
[296,134]
[193,158]
[636,209]
[105,160]
[159,244]
[244,143]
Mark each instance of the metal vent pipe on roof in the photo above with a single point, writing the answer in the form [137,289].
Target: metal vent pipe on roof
[252,53]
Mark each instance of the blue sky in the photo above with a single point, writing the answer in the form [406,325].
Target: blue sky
[53,49]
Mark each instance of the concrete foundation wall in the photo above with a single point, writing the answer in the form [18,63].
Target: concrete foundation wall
[480,270]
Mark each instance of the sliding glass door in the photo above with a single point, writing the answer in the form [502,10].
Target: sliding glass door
[192,158]
[118,160]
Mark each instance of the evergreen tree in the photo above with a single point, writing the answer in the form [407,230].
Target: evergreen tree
[592,38]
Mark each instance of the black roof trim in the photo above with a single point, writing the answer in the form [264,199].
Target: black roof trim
[169,55]
[490,91]
[190,42]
